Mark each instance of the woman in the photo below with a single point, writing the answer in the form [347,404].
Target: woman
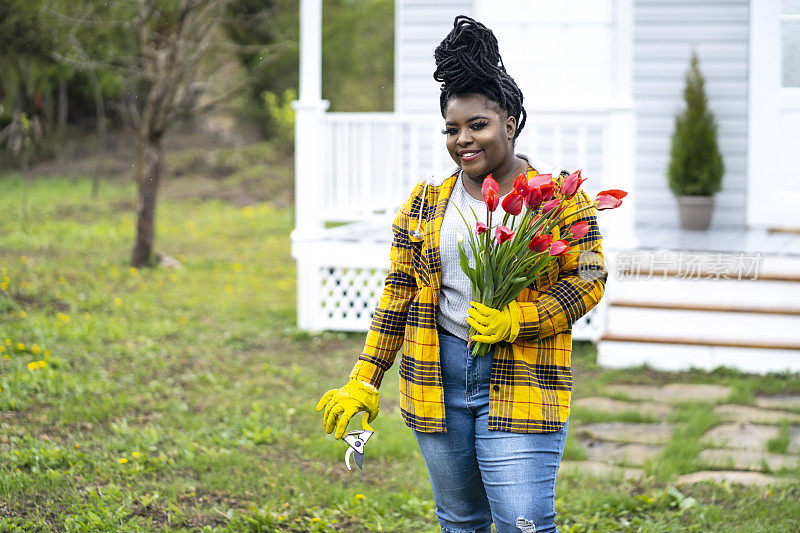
[491,429]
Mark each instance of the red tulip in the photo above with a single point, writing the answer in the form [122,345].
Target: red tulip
[532,221]
[489,183]
[480,227]
[521,185]
[609,199]
[579,230]
[571,184]
[540,243]
[512,203]
[502,234]
[549,206]
[534,198]
[548,190]
[540,179]
[491,199]
[559,247]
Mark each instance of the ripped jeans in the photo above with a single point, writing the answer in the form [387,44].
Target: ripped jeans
[480,476]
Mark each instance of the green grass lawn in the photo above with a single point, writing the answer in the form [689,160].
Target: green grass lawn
[183,399]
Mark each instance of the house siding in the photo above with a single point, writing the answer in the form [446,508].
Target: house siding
[420,26]
[664,33]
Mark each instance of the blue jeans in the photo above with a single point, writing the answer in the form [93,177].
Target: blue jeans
[480,476]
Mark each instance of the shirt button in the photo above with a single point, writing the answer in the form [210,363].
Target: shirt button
[496,387]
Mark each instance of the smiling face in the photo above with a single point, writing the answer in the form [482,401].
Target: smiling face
[479,139]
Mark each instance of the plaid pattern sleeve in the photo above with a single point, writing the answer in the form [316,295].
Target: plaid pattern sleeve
[581,279]
[386,332]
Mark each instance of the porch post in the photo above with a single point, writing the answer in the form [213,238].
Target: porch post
[309,110]
[620,143]
[308,116]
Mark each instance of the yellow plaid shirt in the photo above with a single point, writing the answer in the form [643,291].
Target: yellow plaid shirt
[531,378]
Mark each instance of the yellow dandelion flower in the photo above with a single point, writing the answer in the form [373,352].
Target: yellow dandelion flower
[247,211]
[20,346]
[47,353]
[33,365]
[63,318]
[237,267]
[133,271]
[280,517]
[135,454]
[2,348]
[35,348]
[41,364]
[23,259]
[359,497]
[117,301]
[122,460]
[182,320]
[77,445]
[8,342]
[6,356]
[22,314]
[4,285]
[315,519]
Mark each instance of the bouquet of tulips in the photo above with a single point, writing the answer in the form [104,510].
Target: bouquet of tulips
[519,252]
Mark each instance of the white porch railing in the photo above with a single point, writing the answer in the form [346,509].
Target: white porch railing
[370,161]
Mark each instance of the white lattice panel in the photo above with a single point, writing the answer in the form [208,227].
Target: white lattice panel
[348,296]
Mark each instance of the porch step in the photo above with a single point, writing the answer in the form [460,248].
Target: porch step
[669,321]
[671,318]
[683,353]
[709,307]
[782,293]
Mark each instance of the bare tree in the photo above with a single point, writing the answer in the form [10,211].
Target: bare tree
[168,76]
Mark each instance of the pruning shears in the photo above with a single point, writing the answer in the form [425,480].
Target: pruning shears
[356,441]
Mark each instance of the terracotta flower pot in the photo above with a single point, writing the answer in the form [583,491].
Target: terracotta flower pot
[695,211]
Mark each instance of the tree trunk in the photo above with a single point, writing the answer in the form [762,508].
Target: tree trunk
[63,106]
[150,155]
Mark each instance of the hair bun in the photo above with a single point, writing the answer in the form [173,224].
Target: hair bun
[468,61]
[470,50]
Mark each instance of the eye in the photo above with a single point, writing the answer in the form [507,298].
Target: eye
[449,131]
[478,125]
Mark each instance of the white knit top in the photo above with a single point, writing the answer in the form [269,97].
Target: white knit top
[456,293]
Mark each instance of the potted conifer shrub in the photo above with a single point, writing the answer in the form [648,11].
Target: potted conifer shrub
[695,167]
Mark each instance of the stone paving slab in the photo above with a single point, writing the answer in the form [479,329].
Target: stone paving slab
[732,476]
[659,433]
[609,405]
[794,440]
[746,459]
[674,392]
[619,453]
[783,401]
[742,435]
[758,415]
[600,469]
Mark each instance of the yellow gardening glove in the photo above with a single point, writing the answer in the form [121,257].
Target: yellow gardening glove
[342,404]
[492,325]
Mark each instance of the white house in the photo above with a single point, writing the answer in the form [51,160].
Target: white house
[602,80]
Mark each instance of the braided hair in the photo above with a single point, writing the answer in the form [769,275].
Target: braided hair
[468,61]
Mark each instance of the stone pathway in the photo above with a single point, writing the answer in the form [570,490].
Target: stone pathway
[736,450]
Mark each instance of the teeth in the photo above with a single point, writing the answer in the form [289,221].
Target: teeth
[468,154]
